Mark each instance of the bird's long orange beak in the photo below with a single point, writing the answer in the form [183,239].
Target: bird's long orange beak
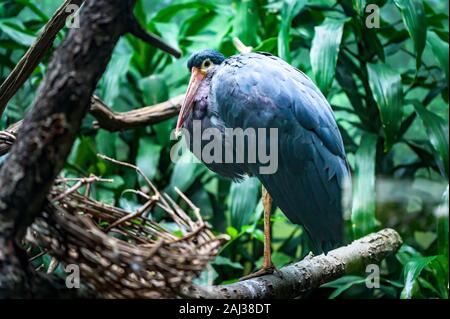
[196,78]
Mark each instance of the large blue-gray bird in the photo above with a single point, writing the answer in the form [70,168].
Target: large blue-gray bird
[258,90]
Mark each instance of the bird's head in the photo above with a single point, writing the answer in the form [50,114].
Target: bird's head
[199,64]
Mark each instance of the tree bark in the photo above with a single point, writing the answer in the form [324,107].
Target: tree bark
[115,121]
[295,280]
[49,129]
[35,54]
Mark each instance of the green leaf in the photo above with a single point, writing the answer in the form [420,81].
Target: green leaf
[280,259]
[437,131]
[386,86]
[83,154]
[242,201]
[170,33]
[35,9]
[440,51]
[439,270]
[147,158]
[373,43]
[359,6]
[104,141]
[413,15]
[117,182]
[424,239]
[442,225]
[154,89]
[258,234]
[246,23]
[16,31]
[341,281]
[363,207]
[105,196]
[233,232]
[167,13]
[411,272]
[342,284]
[224,261]
[406,253]
[203,201]
[114,75]
[128,201]
[185,172]
[289,9]
[324,52]
[268,45]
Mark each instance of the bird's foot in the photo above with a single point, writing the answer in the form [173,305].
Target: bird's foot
[265,270]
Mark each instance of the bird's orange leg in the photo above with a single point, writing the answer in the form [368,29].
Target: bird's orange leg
[267,266]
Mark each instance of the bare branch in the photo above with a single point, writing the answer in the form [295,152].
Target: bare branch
[298,279]
[110,120]
[139,32]
[114,121]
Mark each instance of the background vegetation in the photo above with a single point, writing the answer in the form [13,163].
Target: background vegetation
[387,85]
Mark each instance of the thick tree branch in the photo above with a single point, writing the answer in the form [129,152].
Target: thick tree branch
[35,54]
[298,279]
[114,121]
[110,120]
[49,129]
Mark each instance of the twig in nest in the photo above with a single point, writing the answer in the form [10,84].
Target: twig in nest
[137,169]
[148,261]
[79,183]
[147,206]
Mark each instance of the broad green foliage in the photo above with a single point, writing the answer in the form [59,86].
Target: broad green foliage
[442,225]
[290,8]
[440,51]
[243,199]
[363,214]
[387,92]
[437,130]
[324,52]
[359,6]
[245,26]
[413,14]
[388,87]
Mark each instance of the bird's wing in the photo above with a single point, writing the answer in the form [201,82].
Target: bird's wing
[259,90]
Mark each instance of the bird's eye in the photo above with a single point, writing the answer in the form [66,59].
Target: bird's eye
[206,64]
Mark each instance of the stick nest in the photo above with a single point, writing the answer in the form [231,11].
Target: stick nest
[124,254]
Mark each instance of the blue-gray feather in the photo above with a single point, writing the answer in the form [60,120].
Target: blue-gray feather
[258,90]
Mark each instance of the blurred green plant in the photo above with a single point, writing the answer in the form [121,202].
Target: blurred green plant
[388,87]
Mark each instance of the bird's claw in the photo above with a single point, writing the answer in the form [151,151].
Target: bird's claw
[267,270]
